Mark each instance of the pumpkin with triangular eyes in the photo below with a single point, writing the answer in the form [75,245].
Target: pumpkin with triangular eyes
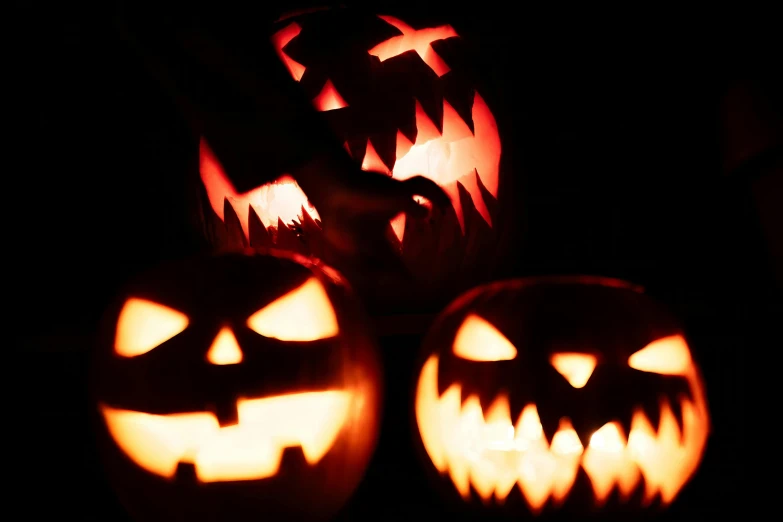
[236,387]
[560,394]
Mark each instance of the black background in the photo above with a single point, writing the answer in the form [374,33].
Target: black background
[615,134]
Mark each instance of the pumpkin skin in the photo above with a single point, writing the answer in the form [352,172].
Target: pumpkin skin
[193,428]
[559,386]
[404,101]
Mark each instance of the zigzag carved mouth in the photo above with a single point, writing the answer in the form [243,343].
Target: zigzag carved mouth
[486,451]
[451,151]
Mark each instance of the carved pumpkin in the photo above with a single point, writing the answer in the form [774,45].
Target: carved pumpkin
[402,100]
[236,387]
[574,393]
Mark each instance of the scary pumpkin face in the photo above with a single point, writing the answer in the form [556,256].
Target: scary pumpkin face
[560,389]
[230,386]
[402,101]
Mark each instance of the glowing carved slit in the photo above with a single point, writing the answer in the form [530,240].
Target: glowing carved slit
[279,40]
[414,40]
[491,454]
[282,199]
[249,450]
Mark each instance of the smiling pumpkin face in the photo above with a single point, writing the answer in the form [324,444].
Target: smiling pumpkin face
[564,392]
[232,376]
[402,98]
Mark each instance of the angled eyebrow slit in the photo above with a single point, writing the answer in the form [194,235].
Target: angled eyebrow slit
[303,314]
[478,340]
[144,325]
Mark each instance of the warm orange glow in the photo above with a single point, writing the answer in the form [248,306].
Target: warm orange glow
[575,367]
[143,325]
[457,155]
[492,454]
[249,450]
[282,199]
[667,356]
[372,161]
[329,99]
[225,348]
[414,40]
[279,40]
[304,314]
[478,340]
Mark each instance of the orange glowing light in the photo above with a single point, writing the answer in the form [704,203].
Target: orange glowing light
[478,340]
[372,161]
[304,314]
[143,325]
[414,40]
[667,356]
[329,99]
[575,367]
[279,40]
[225,348]
[282,199]
[454,155]
[491,453]
[249,450]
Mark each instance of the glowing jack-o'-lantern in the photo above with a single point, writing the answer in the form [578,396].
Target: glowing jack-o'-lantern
[233,387]
[573,393]
[403,101]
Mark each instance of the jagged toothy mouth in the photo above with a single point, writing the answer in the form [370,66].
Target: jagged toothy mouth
[452,154]
[490,453]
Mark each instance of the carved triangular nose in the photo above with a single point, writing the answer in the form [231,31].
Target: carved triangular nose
[575,367]
[225,348]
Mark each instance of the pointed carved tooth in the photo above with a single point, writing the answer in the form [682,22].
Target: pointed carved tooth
[676,408]
[536,466]
[642,449]
[607,463]
[528,427]
[329,420]
[372,161]
[429,409]
[403,145]
[499,412]
[426,128]
[459,473]
[235,234]
[536,471]
[482,476]
[259,237]
[505,481]
[449,424]
[651,407]
[567,450]
[454,127]
[670,455]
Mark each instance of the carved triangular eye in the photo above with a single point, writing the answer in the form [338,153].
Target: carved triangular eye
[144,325]
[304,314]
[478,340]
[666,356]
